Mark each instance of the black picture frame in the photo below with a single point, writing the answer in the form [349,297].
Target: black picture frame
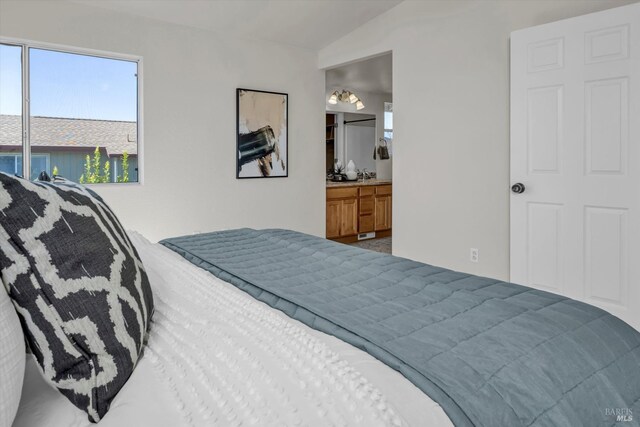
[240,136]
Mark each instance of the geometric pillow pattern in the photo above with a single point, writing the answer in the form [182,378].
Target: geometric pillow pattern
[12,360]
[78,286]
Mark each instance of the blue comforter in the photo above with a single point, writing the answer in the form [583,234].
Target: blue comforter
[490,353]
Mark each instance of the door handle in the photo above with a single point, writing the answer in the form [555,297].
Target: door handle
[518,188]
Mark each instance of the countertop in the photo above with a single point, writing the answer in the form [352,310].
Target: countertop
[359,183]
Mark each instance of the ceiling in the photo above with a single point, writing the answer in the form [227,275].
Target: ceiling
[311,24]
[371,75]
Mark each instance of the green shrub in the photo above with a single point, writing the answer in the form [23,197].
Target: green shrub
[94,174]
[125,168]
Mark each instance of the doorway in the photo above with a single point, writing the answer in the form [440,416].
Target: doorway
[359,153]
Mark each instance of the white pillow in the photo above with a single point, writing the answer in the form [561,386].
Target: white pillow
[12,359]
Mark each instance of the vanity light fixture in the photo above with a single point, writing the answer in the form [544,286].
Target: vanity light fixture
[346,96]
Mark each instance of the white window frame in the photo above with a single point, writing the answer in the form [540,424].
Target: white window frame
[25,45]
[388,108]
[115,170]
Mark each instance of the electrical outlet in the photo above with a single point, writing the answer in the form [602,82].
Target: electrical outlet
[474,255]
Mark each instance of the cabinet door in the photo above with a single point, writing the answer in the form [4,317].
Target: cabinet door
[389,210]
[334,208]
[383,213]
[349,217]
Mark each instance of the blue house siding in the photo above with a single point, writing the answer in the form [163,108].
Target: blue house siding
[70,165]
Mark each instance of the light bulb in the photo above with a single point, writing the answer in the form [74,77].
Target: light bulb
[359,105]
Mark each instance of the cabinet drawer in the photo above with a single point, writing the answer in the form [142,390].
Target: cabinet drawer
[366,224]
[367,191]
[366,205]
[382,190]
[342,193]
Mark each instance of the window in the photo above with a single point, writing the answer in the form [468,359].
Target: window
[12,163]
[69,113]
[388,121]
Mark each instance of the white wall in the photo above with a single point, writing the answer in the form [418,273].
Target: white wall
[190,77]
[373,104]
[451,120]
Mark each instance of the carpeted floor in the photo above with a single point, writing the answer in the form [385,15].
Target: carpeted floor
[379,245]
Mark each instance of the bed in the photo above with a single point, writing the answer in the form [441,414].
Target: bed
[490,353]
[276,327]
[216,356]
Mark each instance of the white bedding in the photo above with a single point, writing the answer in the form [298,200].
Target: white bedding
[216,356]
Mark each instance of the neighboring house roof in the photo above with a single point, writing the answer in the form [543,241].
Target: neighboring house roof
[115,137]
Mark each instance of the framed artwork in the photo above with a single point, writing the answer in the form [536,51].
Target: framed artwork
[262,134]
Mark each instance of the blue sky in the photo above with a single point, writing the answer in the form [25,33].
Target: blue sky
[69,85]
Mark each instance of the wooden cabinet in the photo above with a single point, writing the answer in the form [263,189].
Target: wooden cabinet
[342,212]
[334,213]
[383,208]
[358,209]
[383,213]
[349,217]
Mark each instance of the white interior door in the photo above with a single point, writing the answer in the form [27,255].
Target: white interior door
[575,147]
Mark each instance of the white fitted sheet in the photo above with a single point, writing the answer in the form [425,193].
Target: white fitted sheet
[216,356]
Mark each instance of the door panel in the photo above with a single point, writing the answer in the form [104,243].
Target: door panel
[545,55]
[575,145]
[349,217]
[606,235]
[383,213]
[333,218]
[544,135]
[607,44]
[389,213]
[607,125]
[545,246]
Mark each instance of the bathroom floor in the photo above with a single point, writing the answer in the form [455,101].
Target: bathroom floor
[379,245]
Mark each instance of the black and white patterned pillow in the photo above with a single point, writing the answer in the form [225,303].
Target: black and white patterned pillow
[78,285]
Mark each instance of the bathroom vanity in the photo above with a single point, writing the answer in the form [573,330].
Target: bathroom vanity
[356,208]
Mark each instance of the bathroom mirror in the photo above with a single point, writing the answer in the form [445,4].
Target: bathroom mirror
[355,139]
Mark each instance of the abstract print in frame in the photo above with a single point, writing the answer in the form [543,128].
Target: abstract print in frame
[262,134]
